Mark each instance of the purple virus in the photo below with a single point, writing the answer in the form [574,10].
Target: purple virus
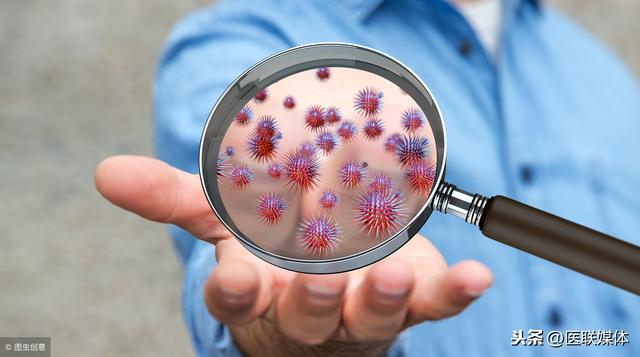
[301,170]
[368,101]
[267,127]
[351,173]
[222,163]
[243,117]
[391,143]
[411,149]
[327,142]
[420,176]
[319,235]
[412,120]
[229,150]
[380,213]
[261,148]
[274,171]
[240,175]
[270,208]
[314,118]
[346,131]
[328,200]
[380,183]
[289,102]
[373,128]
[261,96]
[323,73]
[307,149]
[332,115]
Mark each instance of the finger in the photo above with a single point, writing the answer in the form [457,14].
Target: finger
[447,293]
[309,308]
[158,192]
[239,290]
[377,309]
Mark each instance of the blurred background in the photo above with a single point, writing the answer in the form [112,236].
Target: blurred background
[75,81]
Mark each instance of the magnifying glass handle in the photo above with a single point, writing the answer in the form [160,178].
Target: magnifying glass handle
[547,236]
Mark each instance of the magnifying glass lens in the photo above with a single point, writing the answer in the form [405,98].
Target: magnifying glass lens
[325,163]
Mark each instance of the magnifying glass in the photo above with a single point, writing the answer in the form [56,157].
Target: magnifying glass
[328,157]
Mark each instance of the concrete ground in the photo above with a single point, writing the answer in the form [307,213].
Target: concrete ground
[74,88]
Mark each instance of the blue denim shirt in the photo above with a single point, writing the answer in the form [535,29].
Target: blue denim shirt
[553,121]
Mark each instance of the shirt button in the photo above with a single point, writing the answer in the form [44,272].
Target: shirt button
[465,48]
[526,174]
[555,317]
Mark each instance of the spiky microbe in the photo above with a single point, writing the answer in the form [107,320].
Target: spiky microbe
[328,200]
[351,173]
[323,73]
[243,117]
[270,208]
[373,128]
[327,142]
[368,101]
[381,183]
[380,213]
[267,126]
[391,142]
[229,150]
[301,170]
[333,115]
[314,118]
[222,163]
[346,131]
[240,175]
[262,148]
[261,96]
[319,235]
[289,102]
[307,148]
[411,149]
[274,171]
[420,176]
[412,120]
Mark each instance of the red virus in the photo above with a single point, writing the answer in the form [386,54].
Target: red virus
[411,149]
[319,235]
[274,171]
[333,115]
[323,73]
[267,127]
[222,163]
[368,101]
[327,142]
[270,208]
[307,149]
[420,176]
[412,120]
[243,117]
[314,118]
[261,96]
[391,143]
[328,200]
[289,102]
[262,148]
[379,213]
[301,170]
[373,128]
[380,183]
[351,173]
[240,175]
[346,131]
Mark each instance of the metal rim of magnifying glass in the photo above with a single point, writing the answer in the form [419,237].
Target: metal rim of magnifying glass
[281,65]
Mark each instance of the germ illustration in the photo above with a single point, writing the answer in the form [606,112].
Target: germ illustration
[261,96]
[391,142]
[373,128]
[319,235]
[270,208]
[314,118]
[411,149]
[323,73]
[346,131]
[380,183]
[328,200]
[420,176]
[243,117]
[301,170]
[327,142]
[240,175]
[368,101]
[412,120]
[289,102]
[333,115]
[380,213]
[351,173]
[274,171]
[267,127]
[261,148]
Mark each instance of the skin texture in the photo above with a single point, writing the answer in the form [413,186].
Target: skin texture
[274,311]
